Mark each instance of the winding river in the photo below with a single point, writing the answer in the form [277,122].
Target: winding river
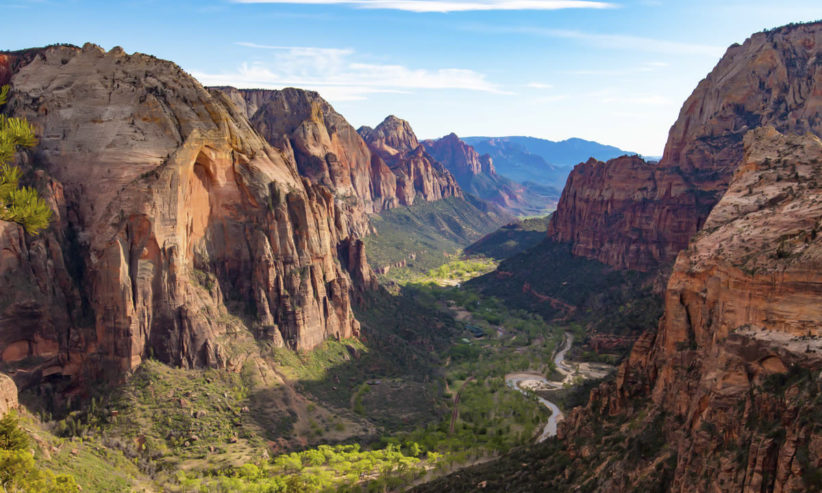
[515,380]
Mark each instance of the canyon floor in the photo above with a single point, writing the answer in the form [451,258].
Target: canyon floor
[428,388]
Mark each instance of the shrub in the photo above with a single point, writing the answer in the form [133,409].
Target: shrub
[20,205]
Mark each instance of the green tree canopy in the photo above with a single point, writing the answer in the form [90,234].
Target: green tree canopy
[18,469]
[20,205]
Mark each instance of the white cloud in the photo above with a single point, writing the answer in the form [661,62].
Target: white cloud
[539,85]
[442,6]
[637,43]
[336,74]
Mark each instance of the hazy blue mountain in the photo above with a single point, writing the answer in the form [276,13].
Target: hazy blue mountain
[529,159]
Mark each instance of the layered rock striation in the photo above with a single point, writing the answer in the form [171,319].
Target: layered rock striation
[178,227]
[637,215]
[460,158]
[330,152]
[733,369]
[394,146]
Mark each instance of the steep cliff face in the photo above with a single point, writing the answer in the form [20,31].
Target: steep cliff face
[392,137]
[460,158]
[394,145]
[8,395]
[636,215]
[327,150]
[476,175]
[330,152]
[174,218]
[733,370]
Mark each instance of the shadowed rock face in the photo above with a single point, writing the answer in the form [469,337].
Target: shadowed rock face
[636,215]
[741,310]
[177,225]
[331,153]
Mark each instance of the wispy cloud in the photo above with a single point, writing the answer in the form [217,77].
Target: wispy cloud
[605,41]
[642,99]
[642,68]
[443,6]
[539,85]
[338,76]
[551,99]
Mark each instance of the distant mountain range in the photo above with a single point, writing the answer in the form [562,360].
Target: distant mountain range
[529,159]
[477,176]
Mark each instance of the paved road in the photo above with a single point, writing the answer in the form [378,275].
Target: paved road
[514,379]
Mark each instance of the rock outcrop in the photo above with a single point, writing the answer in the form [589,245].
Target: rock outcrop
[476,175]
[8,395]
[416,174]
[330,152]
[636,215]
[733,370]
[460,158]
[178,228]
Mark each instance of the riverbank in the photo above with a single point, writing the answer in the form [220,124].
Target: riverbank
[531,383]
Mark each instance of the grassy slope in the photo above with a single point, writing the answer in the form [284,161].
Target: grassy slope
[605,300]
[511,239]
[533,199]
[430,232]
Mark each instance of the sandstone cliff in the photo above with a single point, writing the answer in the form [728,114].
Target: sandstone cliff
[632,214]
[394,146]
[460,158]
[732,373]
[8,395]
[178,228]
[476,175]
[330,152]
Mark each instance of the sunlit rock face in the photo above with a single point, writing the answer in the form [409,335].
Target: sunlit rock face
[637,215]
[178,227]
[733,364]
[419,176]
[372,172]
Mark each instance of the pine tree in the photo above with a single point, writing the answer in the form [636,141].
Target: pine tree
[12,437]
[20,205]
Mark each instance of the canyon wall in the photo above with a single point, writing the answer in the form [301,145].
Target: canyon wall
[177,230]
[636,215]
[460,158]
[730,380]
[394,146]
[330,152]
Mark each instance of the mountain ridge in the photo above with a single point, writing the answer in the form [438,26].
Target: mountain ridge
[636,215]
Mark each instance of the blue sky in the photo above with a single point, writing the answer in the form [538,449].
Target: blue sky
[615,72]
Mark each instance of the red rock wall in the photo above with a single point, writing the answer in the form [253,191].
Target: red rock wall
[177,226]
[741,308]
[330,152]
[636,215]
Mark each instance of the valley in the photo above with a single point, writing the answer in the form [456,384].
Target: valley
[213,288]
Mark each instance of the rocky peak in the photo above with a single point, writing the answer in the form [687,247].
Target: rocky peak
[391,137]
[460,158]
[327,149]
[639,216]
[329,152]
